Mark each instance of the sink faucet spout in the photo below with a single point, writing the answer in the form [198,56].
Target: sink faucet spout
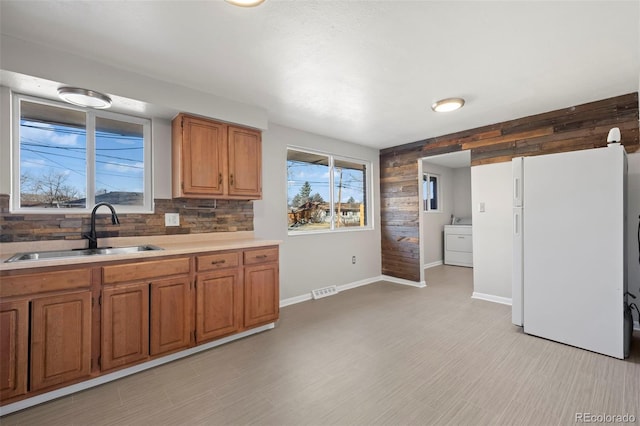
[91,236]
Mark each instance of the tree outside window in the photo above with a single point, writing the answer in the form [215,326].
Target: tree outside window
[325,192]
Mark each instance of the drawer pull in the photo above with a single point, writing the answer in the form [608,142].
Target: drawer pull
[219,178]
[218,262]
[261,256]
[461,237]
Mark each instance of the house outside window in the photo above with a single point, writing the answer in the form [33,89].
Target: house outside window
[326,192]
[70,158]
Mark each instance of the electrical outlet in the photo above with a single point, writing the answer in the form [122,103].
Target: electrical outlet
[172,219]
[353,260]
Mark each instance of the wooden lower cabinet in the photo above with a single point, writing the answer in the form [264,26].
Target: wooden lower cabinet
[170,315]
[261,294]
[218,304]
[58,325]
[14,341]
[60,338]
[125,324]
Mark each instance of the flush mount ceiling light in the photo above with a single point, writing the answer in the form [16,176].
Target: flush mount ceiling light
[449,104]
[84,97]
[245,3]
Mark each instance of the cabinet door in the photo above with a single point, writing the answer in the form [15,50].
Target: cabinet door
[218,304]
[14,335]
[125,324]
[203,157]
[170,315]
[60,339]
[245,160]
[261,294]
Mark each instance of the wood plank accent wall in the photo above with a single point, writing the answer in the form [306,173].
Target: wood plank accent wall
[575,128]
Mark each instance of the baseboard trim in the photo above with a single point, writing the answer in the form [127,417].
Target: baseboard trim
[492,298]
[359,283]
[432,264]
[295,299]
[402,281]
[307,296]
[39,399]
[343,287]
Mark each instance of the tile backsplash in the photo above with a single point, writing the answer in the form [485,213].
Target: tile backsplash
[196,216]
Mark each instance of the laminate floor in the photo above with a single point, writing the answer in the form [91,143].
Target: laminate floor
[378,354]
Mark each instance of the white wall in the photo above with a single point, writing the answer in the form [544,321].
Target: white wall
[492,243]
[5,140]
[462,192]
[433,222]
[19,56]
[36,60]
[307,262]
[633,211]
[317,260]
[492,232]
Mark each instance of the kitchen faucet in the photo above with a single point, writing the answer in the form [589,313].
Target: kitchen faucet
[91,236]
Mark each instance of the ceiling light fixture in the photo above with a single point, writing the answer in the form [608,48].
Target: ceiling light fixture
[449,104]
[245,3]
[84,97]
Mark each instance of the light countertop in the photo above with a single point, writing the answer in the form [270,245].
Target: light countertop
[172,245]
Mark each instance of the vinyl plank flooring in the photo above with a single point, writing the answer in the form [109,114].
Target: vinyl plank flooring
[382,354]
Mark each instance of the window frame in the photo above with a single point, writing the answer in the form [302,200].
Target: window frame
[426,179]
[368,193]
[90,125]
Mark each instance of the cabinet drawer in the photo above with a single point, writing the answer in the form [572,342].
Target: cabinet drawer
[144,270]
[458,258]
[267,255]
[457,229]
[461,243]
[217,261]
[47,281]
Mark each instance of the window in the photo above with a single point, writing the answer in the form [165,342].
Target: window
[326,192]
[431,192]
[72,158]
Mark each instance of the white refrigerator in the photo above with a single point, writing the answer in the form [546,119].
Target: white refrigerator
[569,275]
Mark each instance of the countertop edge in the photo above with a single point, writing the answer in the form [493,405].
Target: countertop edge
[171,247]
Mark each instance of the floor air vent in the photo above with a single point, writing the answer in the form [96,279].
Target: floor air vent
[319,293]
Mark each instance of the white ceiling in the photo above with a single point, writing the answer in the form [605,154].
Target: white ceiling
[361,71]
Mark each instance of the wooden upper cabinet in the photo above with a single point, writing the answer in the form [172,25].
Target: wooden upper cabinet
[199,157]
[14,341]
[245,162]
[60,338]
[215,160]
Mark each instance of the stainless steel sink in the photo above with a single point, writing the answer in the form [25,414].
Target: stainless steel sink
[60,254]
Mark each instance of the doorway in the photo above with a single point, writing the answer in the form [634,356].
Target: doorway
[444,193]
